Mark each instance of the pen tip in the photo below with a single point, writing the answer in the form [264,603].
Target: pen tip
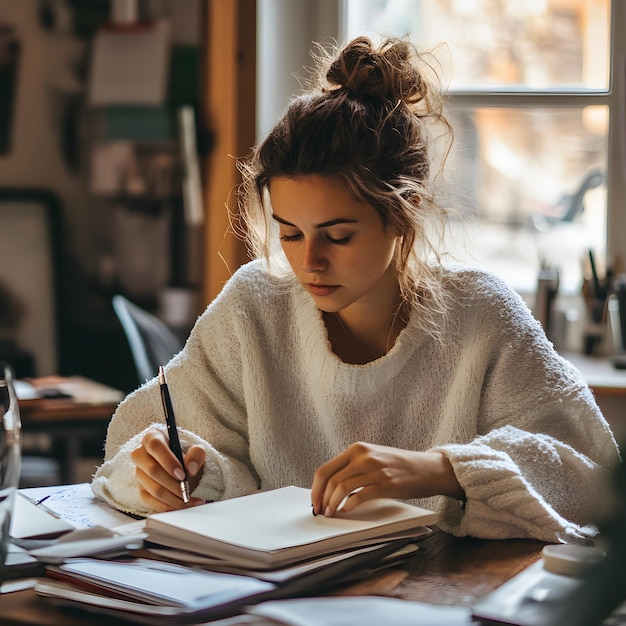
[161,375]
[184,487]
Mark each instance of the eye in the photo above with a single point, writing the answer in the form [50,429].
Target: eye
[291,237]
[340,240]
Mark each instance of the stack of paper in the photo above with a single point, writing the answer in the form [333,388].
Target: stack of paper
[156,592]
[276,528]
[151,591]
[266,545]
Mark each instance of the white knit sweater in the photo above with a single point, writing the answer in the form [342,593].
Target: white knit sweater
[258,385]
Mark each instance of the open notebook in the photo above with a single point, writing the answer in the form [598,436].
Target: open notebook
[275,528]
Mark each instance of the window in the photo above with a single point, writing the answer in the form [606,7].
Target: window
[531,103]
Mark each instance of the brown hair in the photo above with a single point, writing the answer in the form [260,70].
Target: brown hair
[368,118]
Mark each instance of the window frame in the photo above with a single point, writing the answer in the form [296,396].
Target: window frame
[614,97]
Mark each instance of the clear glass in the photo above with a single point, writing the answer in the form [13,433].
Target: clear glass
[521,203]
[535,44]
[10,457]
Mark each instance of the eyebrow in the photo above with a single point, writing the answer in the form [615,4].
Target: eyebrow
[340,220]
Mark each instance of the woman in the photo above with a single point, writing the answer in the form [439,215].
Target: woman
[362,365]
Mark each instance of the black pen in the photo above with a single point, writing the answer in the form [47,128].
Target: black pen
[172,431]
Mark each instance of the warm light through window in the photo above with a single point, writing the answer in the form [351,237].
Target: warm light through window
[530,158]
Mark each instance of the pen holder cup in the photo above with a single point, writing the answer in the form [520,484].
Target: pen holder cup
[10,458]
[595,329]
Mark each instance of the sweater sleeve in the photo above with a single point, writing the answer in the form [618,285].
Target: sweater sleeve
[543,446]
[206,387]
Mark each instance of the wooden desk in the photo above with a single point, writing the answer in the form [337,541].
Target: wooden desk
[70,420]
[446,570]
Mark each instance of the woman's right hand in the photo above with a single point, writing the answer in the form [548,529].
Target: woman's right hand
[159,473]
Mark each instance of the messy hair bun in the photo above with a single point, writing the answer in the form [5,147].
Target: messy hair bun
[369,118]
[386,73]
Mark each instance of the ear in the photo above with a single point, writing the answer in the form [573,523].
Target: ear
[414,199]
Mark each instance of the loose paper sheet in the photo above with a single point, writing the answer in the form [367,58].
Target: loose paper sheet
[364,611]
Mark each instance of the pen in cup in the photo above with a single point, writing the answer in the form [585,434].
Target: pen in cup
[172,431]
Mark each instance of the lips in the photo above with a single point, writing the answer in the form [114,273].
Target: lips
[322,290]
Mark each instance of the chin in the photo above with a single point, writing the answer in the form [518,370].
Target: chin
[323,304]
[330,307]
[326,307]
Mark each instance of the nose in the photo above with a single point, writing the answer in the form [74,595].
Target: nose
[313,259]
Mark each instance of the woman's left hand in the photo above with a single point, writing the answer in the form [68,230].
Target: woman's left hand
[365,471]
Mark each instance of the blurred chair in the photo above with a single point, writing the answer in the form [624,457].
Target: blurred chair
[151,342]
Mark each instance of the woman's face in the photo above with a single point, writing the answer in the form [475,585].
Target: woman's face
[336,245]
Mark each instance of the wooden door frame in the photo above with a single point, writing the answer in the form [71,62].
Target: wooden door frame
[229,113]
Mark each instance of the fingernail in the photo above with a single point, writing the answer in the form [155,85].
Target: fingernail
[192,468]
[179,474]
[327,511]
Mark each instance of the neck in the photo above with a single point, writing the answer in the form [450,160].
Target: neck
[360,337]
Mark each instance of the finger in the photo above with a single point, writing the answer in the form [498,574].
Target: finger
[149,466]
[195,459]
[321,477]
[347,474]
[340,489]
[156,495]
[152,503]
[157,506]
[157,446]
[194,463]
[360,495]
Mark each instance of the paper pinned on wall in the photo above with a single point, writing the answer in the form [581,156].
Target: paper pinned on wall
[130,66]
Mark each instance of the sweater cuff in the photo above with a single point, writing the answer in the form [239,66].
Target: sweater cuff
[115,481]
[500,503]
[222,478]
